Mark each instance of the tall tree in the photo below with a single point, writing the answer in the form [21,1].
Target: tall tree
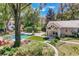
[5,14]
[61,11]
[50,15]
[71,12]
[16,13]
[74,11]
[16,9]
[32,18]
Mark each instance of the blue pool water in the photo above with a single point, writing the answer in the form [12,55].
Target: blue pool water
[23,36]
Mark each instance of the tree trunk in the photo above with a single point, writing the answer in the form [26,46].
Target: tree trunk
[17,25]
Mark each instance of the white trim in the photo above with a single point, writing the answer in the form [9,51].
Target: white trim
[59,32]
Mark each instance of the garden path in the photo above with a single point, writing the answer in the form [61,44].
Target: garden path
[55,49]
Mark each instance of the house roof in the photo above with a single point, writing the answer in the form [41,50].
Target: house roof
[65,24]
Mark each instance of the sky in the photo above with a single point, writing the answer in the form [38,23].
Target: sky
[44,11]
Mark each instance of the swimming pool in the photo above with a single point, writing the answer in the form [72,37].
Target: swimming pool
[23,36]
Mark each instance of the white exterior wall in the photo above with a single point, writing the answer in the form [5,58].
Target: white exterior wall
[59,32]
[68,31]
[63,31]
[63,27]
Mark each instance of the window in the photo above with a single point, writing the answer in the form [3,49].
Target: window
[54,33]
[49,27]
[66,30]
[78,30]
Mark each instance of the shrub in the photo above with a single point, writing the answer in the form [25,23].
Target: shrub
[44,28]
[47,51]
[75,34]
[34,49]
[36,29]
[68,50]
[7,51]
[39,28]
[58,38]
[54,41]
[28,29]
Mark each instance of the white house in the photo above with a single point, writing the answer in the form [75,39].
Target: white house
[62,28]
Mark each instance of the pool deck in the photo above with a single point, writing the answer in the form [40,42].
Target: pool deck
[26,33]
[35,34]
[39,34]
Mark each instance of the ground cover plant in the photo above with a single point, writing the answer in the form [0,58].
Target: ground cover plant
[31,49]
[68,50]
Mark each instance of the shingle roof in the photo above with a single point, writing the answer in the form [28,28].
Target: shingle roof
[62,24]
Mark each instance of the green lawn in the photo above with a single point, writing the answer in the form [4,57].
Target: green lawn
[38,38]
